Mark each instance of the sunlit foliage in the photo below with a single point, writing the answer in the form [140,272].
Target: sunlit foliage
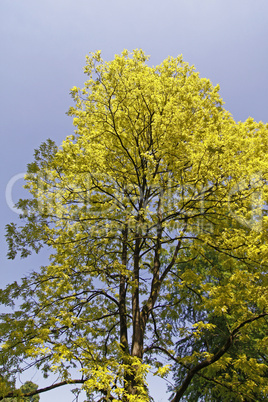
[155,214]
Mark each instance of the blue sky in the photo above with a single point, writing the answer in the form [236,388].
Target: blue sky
[43,46]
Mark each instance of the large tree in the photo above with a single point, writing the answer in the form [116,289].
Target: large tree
[155,214]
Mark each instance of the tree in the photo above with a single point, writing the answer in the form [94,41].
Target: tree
[155,214]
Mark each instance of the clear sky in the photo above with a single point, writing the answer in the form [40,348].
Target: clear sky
[42,51]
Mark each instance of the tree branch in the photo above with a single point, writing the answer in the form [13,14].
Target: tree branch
[41,390]
[214,358]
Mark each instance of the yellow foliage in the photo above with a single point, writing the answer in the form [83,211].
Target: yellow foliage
[155,214]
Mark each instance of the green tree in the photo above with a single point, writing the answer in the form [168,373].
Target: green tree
[154,211]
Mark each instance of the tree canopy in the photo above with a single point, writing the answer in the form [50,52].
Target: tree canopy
[155,215]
